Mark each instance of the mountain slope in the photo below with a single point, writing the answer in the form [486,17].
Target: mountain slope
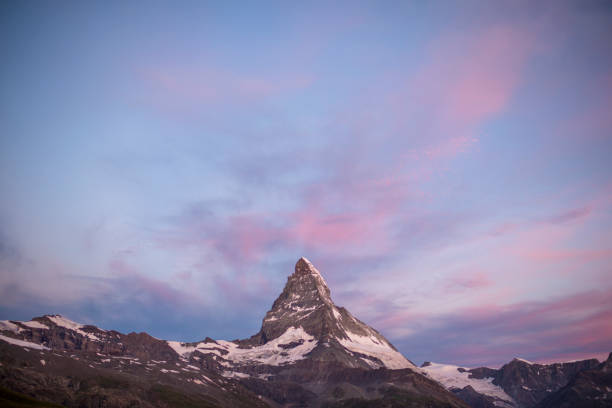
[588,389]
[519,383]
[308,353]
[305,323]
[469,387]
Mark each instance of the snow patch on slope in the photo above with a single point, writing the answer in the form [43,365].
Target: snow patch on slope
[9,326]
[450,377]
[35,325]
[378,348]
[270,353]
[23,343]
[182,349]
[69,324]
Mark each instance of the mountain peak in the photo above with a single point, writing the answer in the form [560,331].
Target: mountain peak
[303,265]
[306,304]
[307,277]
[305,296]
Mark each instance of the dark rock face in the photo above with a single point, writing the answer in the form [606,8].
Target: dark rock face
[474,398]
[530,383]
[591,388]
[525,384]
[306,302]
[88,380]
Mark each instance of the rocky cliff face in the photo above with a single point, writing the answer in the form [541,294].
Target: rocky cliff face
[334,333]
[529,383]
[517,384]
[588,388]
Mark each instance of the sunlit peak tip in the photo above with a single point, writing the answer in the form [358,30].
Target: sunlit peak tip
[305,263]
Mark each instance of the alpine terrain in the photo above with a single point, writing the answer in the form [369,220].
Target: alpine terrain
[308,353]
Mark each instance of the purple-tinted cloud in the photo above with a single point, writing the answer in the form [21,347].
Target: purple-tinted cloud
[570,215]
[494,334]
[176,87]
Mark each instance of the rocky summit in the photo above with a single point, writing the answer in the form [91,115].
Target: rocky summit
[308,353]
[333,332]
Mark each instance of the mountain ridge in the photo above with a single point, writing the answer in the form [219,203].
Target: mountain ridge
[308,353]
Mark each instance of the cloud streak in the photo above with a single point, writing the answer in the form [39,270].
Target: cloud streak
[494,334]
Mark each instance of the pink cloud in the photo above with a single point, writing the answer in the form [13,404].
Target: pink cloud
[313,226]
[469,280]
[489,74]
[470,87]
[493,334]
[246,237]
[552,239]
[187,88]
[503,228]
[573,356]
[145,288]
[585,255]
[570,215]
[471,77]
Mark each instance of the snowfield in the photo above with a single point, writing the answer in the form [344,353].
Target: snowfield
[378,348]
[69,324]
[270,353]
[450,378]
[23,343]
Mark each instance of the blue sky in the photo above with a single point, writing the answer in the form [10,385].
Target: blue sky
[445,165]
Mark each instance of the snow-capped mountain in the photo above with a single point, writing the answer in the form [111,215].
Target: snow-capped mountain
[457,379]
[517,384]
[308,353]
[304,323]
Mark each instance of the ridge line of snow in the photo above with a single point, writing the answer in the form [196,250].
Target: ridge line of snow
[23,343]
[61,321]
[450,377]
[374,347]
[269,353]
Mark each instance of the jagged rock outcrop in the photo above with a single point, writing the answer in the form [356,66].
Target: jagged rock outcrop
[306,303]
[517,384]
[476,399]
[528,383]
[591,388]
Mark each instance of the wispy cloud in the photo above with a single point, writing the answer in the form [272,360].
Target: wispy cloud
[494,334]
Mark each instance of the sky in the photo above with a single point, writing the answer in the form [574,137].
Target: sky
[446,165]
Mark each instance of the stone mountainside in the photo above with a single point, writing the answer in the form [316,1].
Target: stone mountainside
[588,388]
[523,384]
[308,353]
[336,334]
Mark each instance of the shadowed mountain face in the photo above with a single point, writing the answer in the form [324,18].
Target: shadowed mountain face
[588,388]
[308,353]
[519,383]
